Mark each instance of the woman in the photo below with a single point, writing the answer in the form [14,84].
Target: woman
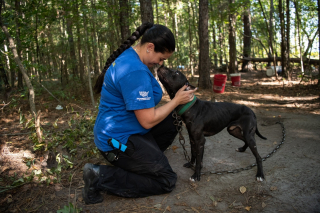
[129,131]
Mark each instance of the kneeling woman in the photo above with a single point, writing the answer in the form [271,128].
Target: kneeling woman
[137,132]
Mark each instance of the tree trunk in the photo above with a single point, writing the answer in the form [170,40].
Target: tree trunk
[17,17]
[37,44]
[72,52]
[17,60]
[146,11]
[283,39]
[299,39]
[289,70]
[80,56]
[157,12]
[111,32]
[52,50]
[214,35]
[94,40]
[204,59]
[319,42]
[191,54]
[124,19]
[233,66]
[247,36]
[269,28]
[87,56]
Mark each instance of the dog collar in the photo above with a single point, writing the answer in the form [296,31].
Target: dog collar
[183,108]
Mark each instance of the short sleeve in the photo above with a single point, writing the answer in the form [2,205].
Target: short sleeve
[136,89]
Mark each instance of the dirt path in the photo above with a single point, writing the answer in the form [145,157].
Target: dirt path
[292,173]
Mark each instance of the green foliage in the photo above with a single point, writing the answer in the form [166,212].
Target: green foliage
[14,182]
[69,209]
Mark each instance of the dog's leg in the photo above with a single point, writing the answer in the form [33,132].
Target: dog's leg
[253,147]
[193,154]
[237,132]
[199,147]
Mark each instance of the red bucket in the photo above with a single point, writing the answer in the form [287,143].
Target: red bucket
[235,79]
[219,82]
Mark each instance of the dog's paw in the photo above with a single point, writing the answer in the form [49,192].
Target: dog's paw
[195,177]
[188,165]
[259,179]
[191,179]
[241,149]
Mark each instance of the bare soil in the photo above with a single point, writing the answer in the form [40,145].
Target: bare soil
[292,173]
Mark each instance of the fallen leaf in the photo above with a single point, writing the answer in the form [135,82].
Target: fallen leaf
[57,187]
[174,148]
[9,200]
[275,143]
[158,206]
[71,196]
[194,209]
[248,208]
[168,208]
[178,197]
[263,205]
[53,196]
[243,189]
[273,188]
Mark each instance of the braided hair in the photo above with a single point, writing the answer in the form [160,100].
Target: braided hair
[159,35]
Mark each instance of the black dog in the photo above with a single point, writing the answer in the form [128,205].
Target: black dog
[205,118]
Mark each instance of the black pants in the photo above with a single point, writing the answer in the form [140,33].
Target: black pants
[147,171]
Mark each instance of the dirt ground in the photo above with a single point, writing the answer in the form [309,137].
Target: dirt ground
[292,173]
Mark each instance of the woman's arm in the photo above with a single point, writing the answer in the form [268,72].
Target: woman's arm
[150,117]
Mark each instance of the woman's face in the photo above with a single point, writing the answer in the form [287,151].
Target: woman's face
[152,58]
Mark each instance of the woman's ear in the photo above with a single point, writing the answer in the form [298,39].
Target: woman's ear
[150,47]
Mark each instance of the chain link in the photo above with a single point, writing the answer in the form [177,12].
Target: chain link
[178,123]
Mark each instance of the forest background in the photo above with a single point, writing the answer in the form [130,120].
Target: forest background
[52,52]
[65,40]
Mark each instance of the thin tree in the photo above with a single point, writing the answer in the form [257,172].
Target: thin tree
[19,48]
[87,53]
[299,37]
[204,59]
[247,36]
[283,39]
[233,65]
[18,61]
[289,70]
[72,52]
[146,11]
[319,41]
[124,19]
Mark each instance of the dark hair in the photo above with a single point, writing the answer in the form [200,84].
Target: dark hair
[159,35]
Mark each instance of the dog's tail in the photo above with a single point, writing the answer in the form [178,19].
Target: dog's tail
[260,136]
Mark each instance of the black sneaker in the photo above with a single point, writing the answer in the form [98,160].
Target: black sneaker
[90,194]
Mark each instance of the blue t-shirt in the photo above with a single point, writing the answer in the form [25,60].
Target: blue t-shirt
[128,85]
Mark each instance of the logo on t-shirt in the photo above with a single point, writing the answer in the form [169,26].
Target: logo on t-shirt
[144,95]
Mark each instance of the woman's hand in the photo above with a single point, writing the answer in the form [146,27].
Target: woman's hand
[150,117]
[183,97]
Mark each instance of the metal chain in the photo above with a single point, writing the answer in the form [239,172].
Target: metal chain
[178,123]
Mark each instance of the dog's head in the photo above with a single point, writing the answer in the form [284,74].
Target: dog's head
[173,80]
